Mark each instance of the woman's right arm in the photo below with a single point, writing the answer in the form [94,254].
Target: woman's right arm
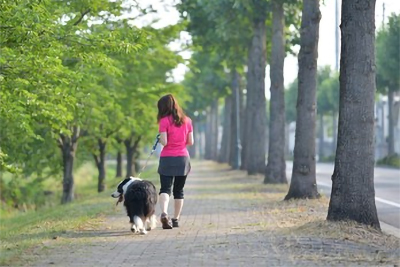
[163,129]
[163,138]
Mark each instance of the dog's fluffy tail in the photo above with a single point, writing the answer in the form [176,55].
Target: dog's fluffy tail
[144,195]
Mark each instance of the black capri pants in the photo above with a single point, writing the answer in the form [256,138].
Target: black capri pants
[178,183]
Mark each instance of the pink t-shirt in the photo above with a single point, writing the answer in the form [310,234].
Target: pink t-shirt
[176,137]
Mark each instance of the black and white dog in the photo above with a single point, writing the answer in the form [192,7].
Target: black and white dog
[140,199]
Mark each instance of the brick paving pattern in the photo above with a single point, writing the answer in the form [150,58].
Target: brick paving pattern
[216,230]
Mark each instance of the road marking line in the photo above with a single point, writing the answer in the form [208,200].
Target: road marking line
[388,202]
[324,184]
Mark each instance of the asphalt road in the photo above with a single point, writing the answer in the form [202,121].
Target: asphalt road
[387,190]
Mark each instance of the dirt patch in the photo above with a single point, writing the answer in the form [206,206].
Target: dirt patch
[301,229]
[349,231]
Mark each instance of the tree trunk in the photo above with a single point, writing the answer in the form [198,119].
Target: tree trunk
[247,113]
[214,130]
[208,136]
[275,171]
[101,164]
[129,161]
[136,162]
[244,139]
[68,146]
[131,147]
[303,183]
[235,144]
[287,136]
[68,176]
[201,139]
[391,151]
[243,125]
[119,159]
[119,165]
[226,132]
[321,137]
[353,193]
[256,104]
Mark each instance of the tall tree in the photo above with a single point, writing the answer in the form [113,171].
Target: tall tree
[145,77]
[303,183]
[50,86]
[206,82]
[84,91]
[353,193]
[118,167]
[256,117]
[220,28]
[236,27]
[275,171]
[285,13]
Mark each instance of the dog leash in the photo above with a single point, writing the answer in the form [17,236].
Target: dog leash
[151,153]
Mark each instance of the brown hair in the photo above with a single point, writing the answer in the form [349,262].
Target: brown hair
[167,105]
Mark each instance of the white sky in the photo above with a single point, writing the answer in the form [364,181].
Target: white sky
[326,47]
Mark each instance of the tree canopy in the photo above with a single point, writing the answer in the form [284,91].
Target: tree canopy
[77,70]
[388,55]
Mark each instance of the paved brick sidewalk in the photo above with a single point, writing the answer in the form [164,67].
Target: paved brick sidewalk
[217,229]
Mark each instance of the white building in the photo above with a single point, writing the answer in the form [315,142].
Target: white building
[381,129]
[382,125]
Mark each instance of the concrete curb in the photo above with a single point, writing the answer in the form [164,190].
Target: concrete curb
[391,230]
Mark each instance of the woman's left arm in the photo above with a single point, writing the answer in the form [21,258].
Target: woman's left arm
[189,139]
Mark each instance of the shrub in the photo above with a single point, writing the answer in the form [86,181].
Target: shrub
[393,161]
[330,158]
[22,193]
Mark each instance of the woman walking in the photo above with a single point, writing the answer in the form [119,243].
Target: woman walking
[176,132]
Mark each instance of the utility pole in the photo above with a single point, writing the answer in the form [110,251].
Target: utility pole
[336,35]
[383,15]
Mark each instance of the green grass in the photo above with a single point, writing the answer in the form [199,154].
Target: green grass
[392,161]
[21,231]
